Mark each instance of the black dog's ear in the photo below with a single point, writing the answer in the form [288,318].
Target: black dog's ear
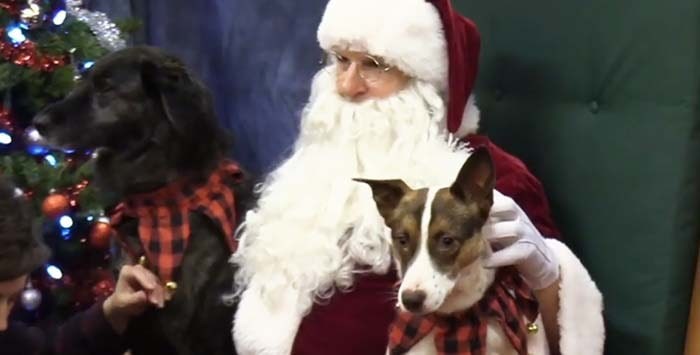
[476,179]
[387,194]
[184,101]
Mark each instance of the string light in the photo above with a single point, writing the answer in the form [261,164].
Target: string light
[88,64]
[59,17]
[14,31]
[5,138]
[51,160]
[54,272]
[66,222]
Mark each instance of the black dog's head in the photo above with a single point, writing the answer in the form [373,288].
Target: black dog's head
[148,118]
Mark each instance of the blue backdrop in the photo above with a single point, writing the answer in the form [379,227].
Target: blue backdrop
[257,57]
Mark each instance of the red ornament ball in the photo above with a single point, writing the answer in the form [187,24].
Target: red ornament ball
[100,235]
[55,205]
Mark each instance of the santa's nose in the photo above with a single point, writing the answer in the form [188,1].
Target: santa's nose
[351,85]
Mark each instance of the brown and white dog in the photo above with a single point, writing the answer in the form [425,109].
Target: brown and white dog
[438,250]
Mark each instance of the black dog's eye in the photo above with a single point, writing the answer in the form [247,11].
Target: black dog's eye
[102,84]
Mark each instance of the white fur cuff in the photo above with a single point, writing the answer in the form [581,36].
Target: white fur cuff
[582,330]
[262,329]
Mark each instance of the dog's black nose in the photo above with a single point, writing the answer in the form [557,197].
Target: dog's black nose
[41,122]
[413,300]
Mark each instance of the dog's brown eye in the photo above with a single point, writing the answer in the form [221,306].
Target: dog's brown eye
[445,242]
[401,239]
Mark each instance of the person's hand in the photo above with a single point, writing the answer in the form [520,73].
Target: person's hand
[136,290]
[516,241]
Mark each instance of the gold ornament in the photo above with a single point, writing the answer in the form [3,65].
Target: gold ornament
[31,15]
[532,328]
[171,286]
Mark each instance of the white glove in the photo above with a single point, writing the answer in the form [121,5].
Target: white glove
[516,241]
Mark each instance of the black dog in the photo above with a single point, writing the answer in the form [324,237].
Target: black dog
[152,124]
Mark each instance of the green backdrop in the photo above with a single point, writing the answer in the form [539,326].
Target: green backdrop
[600,99]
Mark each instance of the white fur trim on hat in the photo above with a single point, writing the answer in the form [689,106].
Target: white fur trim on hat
[470,119]
[407,34]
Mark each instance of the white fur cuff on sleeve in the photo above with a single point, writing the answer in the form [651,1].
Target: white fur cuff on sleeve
[581,326]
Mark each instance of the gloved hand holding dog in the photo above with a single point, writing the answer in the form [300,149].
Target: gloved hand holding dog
[516,241]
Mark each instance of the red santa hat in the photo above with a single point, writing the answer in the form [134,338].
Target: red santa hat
[426,39]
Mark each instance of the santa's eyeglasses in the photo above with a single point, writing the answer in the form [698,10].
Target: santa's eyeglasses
[370,68]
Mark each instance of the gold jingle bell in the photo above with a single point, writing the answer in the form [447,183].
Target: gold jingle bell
[171,286]
[532,328]
[142,260]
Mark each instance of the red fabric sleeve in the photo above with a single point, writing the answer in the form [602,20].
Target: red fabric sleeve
[352,323]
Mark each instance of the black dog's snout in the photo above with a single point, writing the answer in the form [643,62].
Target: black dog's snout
[42,122]
[413,300]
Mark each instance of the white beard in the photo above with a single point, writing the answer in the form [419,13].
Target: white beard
[314,227]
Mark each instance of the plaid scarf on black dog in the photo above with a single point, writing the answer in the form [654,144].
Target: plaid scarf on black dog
[163,216]
[506,301]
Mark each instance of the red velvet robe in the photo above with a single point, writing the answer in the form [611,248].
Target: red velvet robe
[357,322]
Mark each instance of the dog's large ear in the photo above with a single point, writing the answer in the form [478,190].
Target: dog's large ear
[387,194]
[476,179]
[183,100]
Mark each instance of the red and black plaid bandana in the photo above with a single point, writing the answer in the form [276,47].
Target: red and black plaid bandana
[163,216]
[506,301]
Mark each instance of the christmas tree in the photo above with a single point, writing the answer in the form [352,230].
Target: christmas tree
[45,47]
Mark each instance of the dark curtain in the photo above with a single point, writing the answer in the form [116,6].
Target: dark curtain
[257,57]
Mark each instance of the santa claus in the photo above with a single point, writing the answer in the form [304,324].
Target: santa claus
[393,101]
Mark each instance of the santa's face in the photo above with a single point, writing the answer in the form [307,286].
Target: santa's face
[314,225]
[361,76]
[376,120]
